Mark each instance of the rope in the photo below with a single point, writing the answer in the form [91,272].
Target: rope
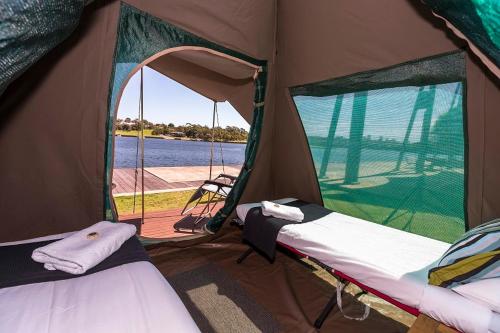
[213,138]
[340,289]
[136,167]
[220,141]
[136,173]
[141,110]
[455,99]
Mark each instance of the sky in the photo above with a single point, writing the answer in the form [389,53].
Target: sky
[166,101]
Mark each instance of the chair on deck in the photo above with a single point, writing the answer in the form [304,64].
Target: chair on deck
[209,194]
[212,191]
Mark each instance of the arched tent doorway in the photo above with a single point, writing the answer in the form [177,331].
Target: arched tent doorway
[207,68]
[158,178]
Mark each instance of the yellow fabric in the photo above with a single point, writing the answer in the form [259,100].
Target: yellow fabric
[447,273]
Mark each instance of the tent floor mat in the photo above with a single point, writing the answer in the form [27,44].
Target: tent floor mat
[218,303]
[287,295]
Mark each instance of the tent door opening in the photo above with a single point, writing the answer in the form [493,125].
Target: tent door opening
[213,190]
[195,187]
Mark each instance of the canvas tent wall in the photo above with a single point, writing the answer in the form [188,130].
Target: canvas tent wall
[53,130]
[348,37]
[143,38]
[68,92]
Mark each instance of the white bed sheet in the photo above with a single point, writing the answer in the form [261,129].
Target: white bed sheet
[391,261]
[133,298]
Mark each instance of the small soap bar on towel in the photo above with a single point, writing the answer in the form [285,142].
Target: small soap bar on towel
[84,249]
[282,211]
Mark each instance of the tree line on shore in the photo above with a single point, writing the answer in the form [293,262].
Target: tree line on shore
[192,131]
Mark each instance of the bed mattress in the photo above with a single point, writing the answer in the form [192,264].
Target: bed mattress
[128,298]
[391,261]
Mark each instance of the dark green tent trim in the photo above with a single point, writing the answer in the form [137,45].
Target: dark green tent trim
[30,29]
[141,36]
[478,20]
[443,68]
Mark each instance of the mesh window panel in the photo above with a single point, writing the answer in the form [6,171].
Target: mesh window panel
[393,156]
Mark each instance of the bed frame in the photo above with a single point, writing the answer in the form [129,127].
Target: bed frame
[343,278]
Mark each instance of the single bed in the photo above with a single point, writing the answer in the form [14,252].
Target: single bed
[390,263]
[133,297]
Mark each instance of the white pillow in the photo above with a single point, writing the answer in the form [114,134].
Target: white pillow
[485,291]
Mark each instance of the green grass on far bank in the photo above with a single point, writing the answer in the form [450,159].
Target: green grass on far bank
[147,132]
[152,202]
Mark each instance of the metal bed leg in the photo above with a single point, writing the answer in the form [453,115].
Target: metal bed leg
[326,311]
[244,255]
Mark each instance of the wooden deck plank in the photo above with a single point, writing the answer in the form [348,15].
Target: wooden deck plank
[124,182]
[185,173]
[161,224]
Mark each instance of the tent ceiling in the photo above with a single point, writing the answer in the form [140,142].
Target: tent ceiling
[222,65]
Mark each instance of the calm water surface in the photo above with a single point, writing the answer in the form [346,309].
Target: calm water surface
[160,152]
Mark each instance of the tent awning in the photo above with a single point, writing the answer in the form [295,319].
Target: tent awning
[211,75]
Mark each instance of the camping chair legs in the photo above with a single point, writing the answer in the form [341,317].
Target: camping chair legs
[207,210]
[244,255]
[199,194]
[208,207]
[219,192]
[326,311]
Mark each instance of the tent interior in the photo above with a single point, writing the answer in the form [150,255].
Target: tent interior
[377,121]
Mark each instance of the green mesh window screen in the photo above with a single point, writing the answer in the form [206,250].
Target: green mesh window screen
[393,155]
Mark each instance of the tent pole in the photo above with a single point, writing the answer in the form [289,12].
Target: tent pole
[331,135]
[355,138]
[136,172]
[142,142]
[408,130]
[213,140]
[220,142]
[426,125]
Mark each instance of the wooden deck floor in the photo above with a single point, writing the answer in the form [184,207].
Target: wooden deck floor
[161,224]
[124,182]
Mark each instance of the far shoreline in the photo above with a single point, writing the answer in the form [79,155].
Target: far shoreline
[166,137]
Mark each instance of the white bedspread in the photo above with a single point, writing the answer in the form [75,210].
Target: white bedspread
[129,298]
[391,261]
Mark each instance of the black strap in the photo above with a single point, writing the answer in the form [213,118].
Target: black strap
[262,231]
[17,267]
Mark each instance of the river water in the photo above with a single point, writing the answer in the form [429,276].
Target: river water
[160,152]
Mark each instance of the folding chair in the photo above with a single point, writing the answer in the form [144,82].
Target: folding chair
[208,194]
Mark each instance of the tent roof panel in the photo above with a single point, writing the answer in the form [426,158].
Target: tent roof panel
[219,79]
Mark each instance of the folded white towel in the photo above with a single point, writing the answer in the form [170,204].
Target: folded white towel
[84,249]
[282,211]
